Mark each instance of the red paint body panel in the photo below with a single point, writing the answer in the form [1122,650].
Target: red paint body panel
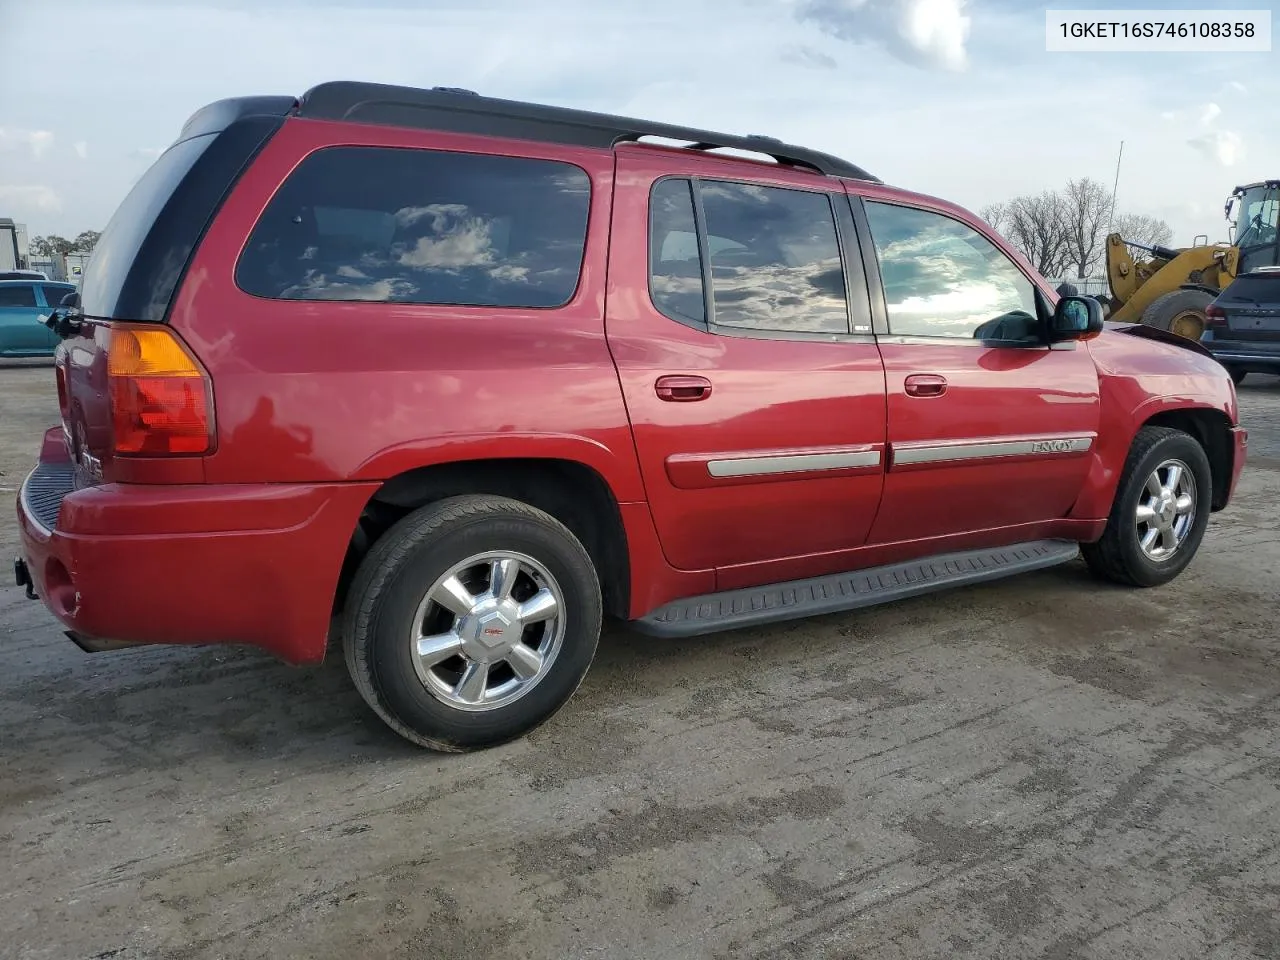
[336,391]
[771,396]
[255,564]
[1137,379]
[317,403]
[993,394]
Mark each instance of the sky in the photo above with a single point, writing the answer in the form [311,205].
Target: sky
[955,98]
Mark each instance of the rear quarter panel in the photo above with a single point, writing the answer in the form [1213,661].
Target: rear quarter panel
[1138,379]
[335,391]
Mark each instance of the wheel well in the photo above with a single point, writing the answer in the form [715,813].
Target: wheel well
[573,493]
[1212,430]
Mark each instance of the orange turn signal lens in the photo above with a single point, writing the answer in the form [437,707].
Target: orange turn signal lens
[161,399]
[148,353]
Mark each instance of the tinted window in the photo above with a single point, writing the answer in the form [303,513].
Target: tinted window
[117,248]
[17,295]
[53,295]
[775,260]
[421,226]
[674,264]
[944,279]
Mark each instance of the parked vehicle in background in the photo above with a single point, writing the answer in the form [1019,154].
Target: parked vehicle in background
[1244,324]
[473,374]
[13,245]
[24,307]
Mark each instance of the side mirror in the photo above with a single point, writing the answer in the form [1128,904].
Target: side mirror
[1075,318]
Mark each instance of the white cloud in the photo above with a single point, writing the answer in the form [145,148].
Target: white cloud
[1222,146]
[37,141]
[32,197]
[802,55]
[1238,87]
[81,148]
[931,33]
[147,153]
[1209,113]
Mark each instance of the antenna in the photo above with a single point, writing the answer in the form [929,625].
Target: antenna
[1116,186]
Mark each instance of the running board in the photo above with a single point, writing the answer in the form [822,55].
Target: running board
[796,599]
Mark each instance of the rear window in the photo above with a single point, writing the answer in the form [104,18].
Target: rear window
[118,247]
[396,225]
[53,295]
[18,295]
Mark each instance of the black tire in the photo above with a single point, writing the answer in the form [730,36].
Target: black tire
[1237,375]
[393,579]
[1118,556]
[1162,311]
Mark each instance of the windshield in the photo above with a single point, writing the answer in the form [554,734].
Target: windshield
[1258,212]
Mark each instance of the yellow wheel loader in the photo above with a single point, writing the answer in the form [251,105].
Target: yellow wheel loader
[1171,288]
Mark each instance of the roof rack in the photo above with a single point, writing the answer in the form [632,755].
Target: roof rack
[464,111]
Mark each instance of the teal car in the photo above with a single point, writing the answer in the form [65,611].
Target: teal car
[24,306]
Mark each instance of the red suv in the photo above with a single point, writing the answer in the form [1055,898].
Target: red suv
[471,374]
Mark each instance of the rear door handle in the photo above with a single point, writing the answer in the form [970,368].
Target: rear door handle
[682,389]
[925,385]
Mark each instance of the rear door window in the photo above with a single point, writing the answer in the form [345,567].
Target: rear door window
[18,295]
[396,225]
[774,255]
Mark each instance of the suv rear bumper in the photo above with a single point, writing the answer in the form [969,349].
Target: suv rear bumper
[1259,354]
[189,564]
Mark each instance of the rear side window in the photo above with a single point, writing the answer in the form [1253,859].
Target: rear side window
[774,257]
[18,295]
[53,295]
[396,225]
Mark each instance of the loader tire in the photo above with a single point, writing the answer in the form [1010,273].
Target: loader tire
[1180,312]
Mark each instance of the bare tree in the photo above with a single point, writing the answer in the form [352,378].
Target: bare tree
[1143,229]
[1037,227]
[1086,205]
[996,215]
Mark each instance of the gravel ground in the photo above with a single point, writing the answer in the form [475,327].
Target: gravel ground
[1043,767]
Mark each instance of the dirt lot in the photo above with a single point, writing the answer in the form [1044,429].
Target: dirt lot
[1040,768]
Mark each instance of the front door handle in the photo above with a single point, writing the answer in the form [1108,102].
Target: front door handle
[925,385]
[682,389]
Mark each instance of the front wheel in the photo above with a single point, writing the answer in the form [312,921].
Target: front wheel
[472,621]
[1160,511]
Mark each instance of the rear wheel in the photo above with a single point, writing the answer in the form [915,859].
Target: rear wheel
[471,622]
[1160,511]
[1179,311]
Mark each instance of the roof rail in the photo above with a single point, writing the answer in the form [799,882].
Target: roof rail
[463,111]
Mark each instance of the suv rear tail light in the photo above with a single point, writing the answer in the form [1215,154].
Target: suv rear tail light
[161,398]
[1214,316]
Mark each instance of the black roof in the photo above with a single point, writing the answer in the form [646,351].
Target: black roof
[462,111]
[1270,184]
